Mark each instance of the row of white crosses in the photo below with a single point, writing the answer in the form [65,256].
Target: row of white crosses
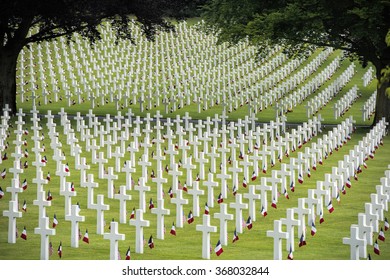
[297,80]
[368,76]
[345,102]
[110,129]
[196,71]
[187,67]
[321,197]
[322,99]
[4,126]
[368,108]
[292,100]
[368,222]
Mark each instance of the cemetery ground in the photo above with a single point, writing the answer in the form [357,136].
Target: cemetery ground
[253,244]
[187,244]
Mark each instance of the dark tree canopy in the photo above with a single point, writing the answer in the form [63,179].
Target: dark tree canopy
[54,19]
[359,27]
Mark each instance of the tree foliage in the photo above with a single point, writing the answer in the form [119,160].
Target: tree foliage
[359,27]
[356,26]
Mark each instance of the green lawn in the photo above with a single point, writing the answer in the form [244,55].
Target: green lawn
[187,244]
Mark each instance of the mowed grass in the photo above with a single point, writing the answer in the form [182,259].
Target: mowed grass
[187,244]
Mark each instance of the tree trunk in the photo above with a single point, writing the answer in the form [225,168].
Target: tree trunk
[8,62]
[382,107]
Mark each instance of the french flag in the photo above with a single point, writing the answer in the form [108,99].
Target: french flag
[321,218]
[24,184]
[273,204]
[128,257]
[218,249]
[59,250]
[376,248]
[264,169]
[206,209]
[234,190]
[190,218]
[292,186]
[286,194]
[235,236]
[330,207]
[220,199]
[308,173]
[1,193]
[300,178]
[244,183]
[49,196]
[386,224]
[151,205]
[170,192]
[55,221]
[4,173]
[263,211]
[66,167]
[132,215]
[290,254]
[173,229]
[150,242]
[254,176]
[302,241]
[86,237]
[348,183]
[381,236]
[249,222]
[24,234]
[313,229]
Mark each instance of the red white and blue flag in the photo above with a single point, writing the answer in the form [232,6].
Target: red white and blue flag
[292,186]
[24,207]
[348,183]
[49,196]
[302,241]
[128,257]
[273,204]
[376,248]
[313,229]
[24,184]
[386,224]
[290,254]
[173,229]
[190,218]
[170,192]
[1,193]
[249,223]
[59,250]
[220,199]
[151,205]
[330,207]
[4,173]
[132,215]
[150,242]
[206,209]
[254,176]
[300,178]
[263,211]
[321,218]
[24,234]
[86,237]
[381,236]
[218,249]
[55,221]
[235,236]
[244,183]
[286,194]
